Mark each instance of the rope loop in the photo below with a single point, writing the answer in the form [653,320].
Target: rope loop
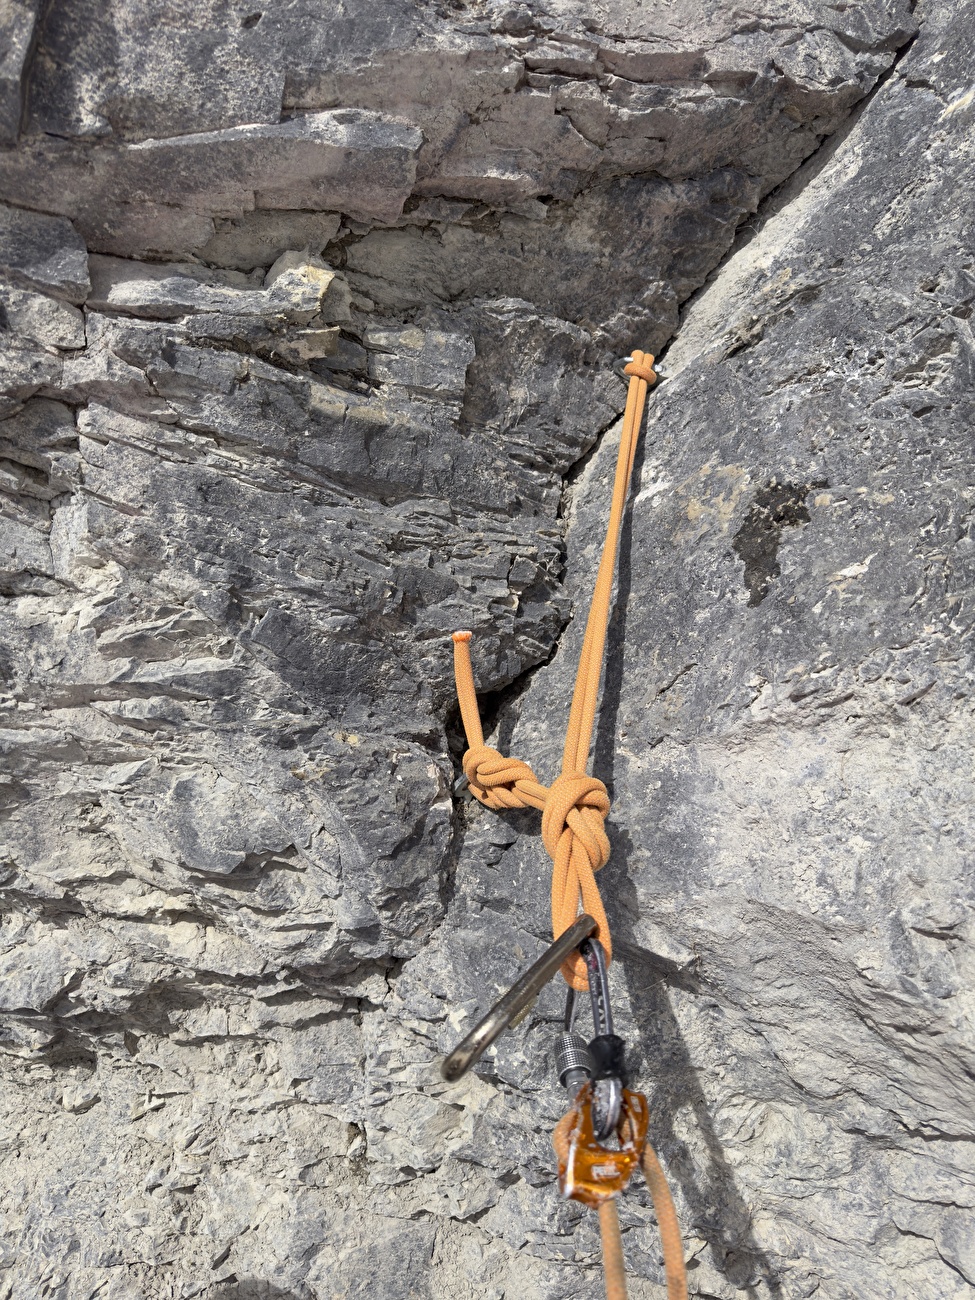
[493,777]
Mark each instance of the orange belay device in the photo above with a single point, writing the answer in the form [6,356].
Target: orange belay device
[603,1138]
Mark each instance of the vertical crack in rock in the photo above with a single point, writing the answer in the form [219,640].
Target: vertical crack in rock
[775,507]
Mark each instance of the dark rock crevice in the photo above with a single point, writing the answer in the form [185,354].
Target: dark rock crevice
[774,507]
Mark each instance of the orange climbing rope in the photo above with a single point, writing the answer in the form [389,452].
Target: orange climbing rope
[575,806]
[574,809]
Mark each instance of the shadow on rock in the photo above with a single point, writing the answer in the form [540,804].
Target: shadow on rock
[715,1208]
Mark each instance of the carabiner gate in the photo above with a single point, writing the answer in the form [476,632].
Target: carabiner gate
[599,1062]
[516,1002]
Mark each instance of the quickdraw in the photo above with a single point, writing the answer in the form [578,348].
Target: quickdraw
[603,1138]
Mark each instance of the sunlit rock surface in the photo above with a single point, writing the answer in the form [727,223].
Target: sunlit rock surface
[308,322]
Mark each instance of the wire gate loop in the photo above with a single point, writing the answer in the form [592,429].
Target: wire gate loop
[589,1171]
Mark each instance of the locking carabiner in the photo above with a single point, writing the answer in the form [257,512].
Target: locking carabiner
[599,1062]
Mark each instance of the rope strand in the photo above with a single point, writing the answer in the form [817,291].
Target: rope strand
[575,806]
[663,1205]
[574,810]
[614,1270]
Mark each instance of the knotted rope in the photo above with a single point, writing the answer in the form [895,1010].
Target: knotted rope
[574,810]
[575,806]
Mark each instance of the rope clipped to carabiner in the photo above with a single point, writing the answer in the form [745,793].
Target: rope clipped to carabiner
[574,809]
[576,805]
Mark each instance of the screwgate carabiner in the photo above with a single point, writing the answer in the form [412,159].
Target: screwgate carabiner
[599,1062]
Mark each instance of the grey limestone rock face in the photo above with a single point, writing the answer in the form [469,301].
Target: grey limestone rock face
[44,253]
[308,317]
[17,22]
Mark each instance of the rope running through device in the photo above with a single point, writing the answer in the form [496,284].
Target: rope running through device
[574,809]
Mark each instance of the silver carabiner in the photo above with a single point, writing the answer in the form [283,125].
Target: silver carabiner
[618,365]
[516,1001]
[600,1060]
[606,1048]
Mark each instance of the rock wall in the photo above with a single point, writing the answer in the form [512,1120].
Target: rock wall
[308,317]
